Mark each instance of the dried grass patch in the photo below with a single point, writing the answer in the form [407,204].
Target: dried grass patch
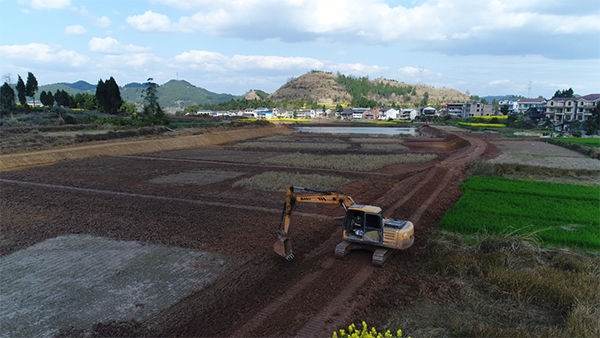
[510,287]
[347,162]
[295,145]
[376,140]
[382,146]
[200,177]
[280,181]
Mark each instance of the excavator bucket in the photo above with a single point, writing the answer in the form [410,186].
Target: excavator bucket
[283,247]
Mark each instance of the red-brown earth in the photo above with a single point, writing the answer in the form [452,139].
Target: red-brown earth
[267,296]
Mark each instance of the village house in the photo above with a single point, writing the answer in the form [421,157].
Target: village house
[512,105]
[408,114]
[561,110]
[452,109]
[471,109]
[526,104]
[429,112]
[388,114]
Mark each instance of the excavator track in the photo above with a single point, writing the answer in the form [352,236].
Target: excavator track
[381,255]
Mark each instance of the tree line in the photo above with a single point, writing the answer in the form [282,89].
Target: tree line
[107,99]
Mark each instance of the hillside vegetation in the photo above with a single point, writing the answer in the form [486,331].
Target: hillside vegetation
[316,87]
[329,88]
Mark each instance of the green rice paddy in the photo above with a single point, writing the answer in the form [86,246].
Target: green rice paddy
[559,214]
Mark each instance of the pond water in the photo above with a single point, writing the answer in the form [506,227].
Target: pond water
[359,130]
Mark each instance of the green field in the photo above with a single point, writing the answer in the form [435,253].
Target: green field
[559,214]
[588,142]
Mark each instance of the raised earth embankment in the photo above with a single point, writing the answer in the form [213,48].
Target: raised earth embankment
[17,161]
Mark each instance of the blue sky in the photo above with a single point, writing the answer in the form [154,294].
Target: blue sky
[523,47]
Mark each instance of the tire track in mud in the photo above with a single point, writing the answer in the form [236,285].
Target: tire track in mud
[155,197]
[335,312]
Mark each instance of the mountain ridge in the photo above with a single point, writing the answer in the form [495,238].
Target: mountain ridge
[314,86]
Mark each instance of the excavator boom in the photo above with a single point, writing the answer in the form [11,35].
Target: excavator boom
[283,246]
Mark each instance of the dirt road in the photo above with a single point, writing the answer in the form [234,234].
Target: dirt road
[117,197]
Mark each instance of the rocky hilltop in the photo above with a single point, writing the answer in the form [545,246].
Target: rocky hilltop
[324,88]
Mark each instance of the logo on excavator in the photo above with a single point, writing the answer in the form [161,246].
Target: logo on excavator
[309,199]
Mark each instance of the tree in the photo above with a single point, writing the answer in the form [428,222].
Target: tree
[109,95]
[425,99]
[591,126]
[63,98]
[152,109]
[47,99]
[564,93]
[21,92]
[31,87]
[7,96]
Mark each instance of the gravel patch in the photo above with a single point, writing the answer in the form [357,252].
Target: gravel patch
[75,281]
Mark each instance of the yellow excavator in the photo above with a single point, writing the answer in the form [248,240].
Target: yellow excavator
[364,226]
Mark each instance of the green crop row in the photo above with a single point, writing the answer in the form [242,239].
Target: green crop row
[499,207]
[503,185]
[589,142]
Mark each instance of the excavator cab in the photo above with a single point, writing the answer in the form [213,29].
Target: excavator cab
[363,223]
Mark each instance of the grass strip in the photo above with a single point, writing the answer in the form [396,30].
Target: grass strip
[376,140]
[588,142]
[383,146]
[293,145]
[346,162]
[280,181]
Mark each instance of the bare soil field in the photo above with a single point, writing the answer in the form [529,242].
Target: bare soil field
[186,199]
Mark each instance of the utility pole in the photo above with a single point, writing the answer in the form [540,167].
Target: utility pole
[529,90]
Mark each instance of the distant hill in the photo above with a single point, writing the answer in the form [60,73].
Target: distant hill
[498,97]
[315,86]
[171,94]
[324,88]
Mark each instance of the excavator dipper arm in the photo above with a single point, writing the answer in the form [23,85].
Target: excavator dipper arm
[283,246]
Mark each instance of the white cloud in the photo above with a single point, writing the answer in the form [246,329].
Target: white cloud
[75,30]
[103,22]
[112,46]
[50,4]
[151,22]
[212,61]
[426,25]
[42,53]
[136,61]
[499,82]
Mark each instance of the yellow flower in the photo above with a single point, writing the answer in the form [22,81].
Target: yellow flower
[342,332]
[399,334]
[334,335]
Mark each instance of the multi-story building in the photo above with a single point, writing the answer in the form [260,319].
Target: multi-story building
[585,106]
[471,109]
[512,105]
[452,109]
[562,110]
[525,104]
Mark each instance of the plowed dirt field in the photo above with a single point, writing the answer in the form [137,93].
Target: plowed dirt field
[185,199]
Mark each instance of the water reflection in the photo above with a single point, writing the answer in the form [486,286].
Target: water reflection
[358,130]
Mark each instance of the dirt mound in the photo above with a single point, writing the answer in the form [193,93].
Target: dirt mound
[323,87]
[314,86]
